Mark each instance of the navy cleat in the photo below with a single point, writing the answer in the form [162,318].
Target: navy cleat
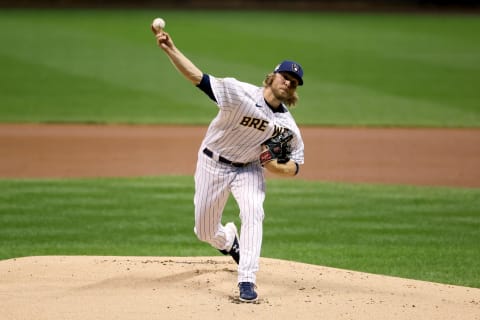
[235,249]
[247,292]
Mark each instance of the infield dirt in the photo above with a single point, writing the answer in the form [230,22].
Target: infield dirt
[449,157]
[202,288]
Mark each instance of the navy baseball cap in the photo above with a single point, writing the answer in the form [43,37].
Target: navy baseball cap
[291,67]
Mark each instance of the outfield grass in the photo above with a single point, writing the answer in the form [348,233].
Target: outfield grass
[363,69]
[415,232]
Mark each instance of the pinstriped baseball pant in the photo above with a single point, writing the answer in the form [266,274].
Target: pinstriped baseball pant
[214,181]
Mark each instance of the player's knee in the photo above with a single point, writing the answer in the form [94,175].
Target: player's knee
[249,217]
[203,236]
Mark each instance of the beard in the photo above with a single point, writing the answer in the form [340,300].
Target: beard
[282,95]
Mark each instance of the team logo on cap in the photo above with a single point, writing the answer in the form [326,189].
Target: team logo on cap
[294,67]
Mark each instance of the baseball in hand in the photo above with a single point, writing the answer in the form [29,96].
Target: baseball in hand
[158,24]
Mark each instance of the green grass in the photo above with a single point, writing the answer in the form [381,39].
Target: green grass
[415,232]
[366,69]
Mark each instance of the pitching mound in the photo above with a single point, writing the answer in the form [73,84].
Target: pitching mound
[76,287]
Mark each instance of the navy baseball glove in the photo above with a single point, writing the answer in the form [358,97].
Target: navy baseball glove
[277,147]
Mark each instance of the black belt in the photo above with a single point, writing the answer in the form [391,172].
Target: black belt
[223,160]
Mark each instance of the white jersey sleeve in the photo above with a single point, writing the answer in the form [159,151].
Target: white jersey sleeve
[297,149]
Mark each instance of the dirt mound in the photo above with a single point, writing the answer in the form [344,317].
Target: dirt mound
[84,287]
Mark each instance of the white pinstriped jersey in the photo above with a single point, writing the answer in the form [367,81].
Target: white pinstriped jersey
[245,121]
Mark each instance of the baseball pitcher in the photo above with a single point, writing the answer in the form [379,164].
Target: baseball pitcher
[252,131]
